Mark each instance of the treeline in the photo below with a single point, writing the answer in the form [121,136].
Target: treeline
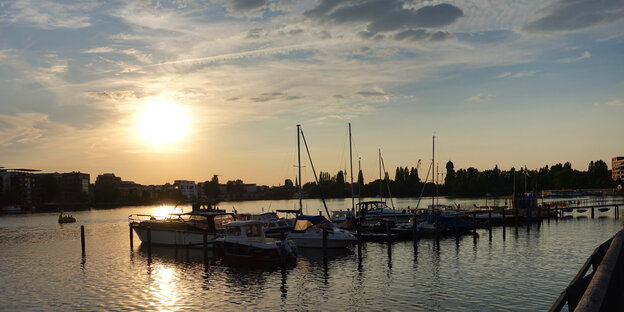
[465,182]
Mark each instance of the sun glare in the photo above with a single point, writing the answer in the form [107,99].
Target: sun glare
[162,123]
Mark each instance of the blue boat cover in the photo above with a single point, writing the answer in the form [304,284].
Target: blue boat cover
[303,222]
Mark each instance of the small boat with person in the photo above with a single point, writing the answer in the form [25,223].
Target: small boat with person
[63,218]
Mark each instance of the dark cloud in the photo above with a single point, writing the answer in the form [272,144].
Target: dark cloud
[254,33]
[247,5]
[422,34]
[325,34]
[339,96]
[440,36]
[295,31]
[266,97]
[370,35]
[570,15]
[385,15]
[411,34]
[370,93]
[232,99]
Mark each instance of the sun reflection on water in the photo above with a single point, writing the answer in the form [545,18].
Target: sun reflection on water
[164,289]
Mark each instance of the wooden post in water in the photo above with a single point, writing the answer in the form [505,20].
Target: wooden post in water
[516,217]
[503,212]
[474,223]
[457,225]
[592,213]
[490,220]
[324,241]
[82,239]
[616,212]
[206,245]
[131,237]
[149,242]
[388,232]
[548,214]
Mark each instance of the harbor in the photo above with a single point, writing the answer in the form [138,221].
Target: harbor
[521,268]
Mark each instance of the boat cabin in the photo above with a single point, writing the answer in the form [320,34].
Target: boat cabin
[244,229]
[304,222]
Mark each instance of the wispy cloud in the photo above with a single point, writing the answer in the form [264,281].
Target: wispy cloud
[569,60]
[480,97]
[521,74]
[49,14]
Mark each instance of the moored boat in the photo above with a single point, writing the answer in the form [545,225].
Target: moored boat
[245,240]
[308,232]
[182,229]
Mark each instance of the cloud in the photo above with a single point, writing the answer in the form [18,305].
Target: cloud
[275,96]
[49,14]
[616,102]
[384,15]
[480,97]
[22,128]
[569,60]
[422,34]
[254,33]
[572,15]
[521,74]
[370,93]
[239,8]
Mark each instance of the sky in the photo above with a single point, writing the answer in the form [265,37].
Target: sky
[156,91]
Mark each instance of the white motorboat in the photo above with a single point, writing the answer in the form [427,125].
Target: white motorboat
[308,232]
[182,229]
[245,240]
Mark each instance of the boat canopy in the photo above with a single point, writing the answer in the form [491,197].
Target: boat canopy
[303,222]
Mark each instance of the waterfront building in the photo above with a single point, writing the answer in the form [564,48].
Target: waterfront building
[188,189]
[617,168]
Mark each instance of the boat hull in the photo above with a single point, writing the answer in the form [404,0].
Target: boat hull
[176,238]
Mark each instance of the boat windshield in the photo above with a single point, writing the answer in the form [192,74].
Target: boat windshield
[233,231]
[221,220]
[254,230]
[302,225]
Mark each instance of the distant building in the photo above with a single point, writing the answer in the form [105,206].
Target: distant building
[617,168]
[188,189]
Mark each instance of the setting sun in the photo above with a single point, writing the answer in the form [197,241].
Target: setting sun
[162,123]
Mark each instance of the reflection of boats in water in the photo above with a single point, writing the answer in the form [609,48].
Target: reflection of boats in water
[581,210]
[245,240]
[185,229]
[308,232]
[11,209]
[603,209]
[65,218]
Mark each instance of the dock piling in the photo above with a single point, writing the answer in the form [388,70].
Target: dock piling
[131,237]
[149,242]
[324,241]
[456,225]
[206,245]
[592,212]
[82,239]
[388,232]
[474,223]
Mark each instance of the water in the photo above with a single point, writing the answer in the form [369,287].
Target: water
[42,268]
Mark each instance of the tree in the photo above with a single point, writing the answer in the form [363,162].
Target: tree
[211,188]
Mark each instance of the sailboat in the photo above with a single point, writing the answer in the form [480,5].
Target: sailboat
[308,230]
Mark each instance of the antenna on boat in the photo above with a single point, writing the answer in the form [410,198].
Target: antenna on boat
[351,164]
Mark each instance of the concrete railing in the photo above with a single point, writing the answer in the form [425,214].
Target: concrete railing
[603,288]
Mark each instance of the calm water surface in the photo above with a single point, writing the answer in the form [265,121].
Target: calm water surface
[525,270]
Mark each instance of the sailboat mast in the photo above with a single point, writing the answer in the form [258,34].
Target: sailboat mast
[299,165]
[432,164]
[351,164]
[380,186]
[359,185]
